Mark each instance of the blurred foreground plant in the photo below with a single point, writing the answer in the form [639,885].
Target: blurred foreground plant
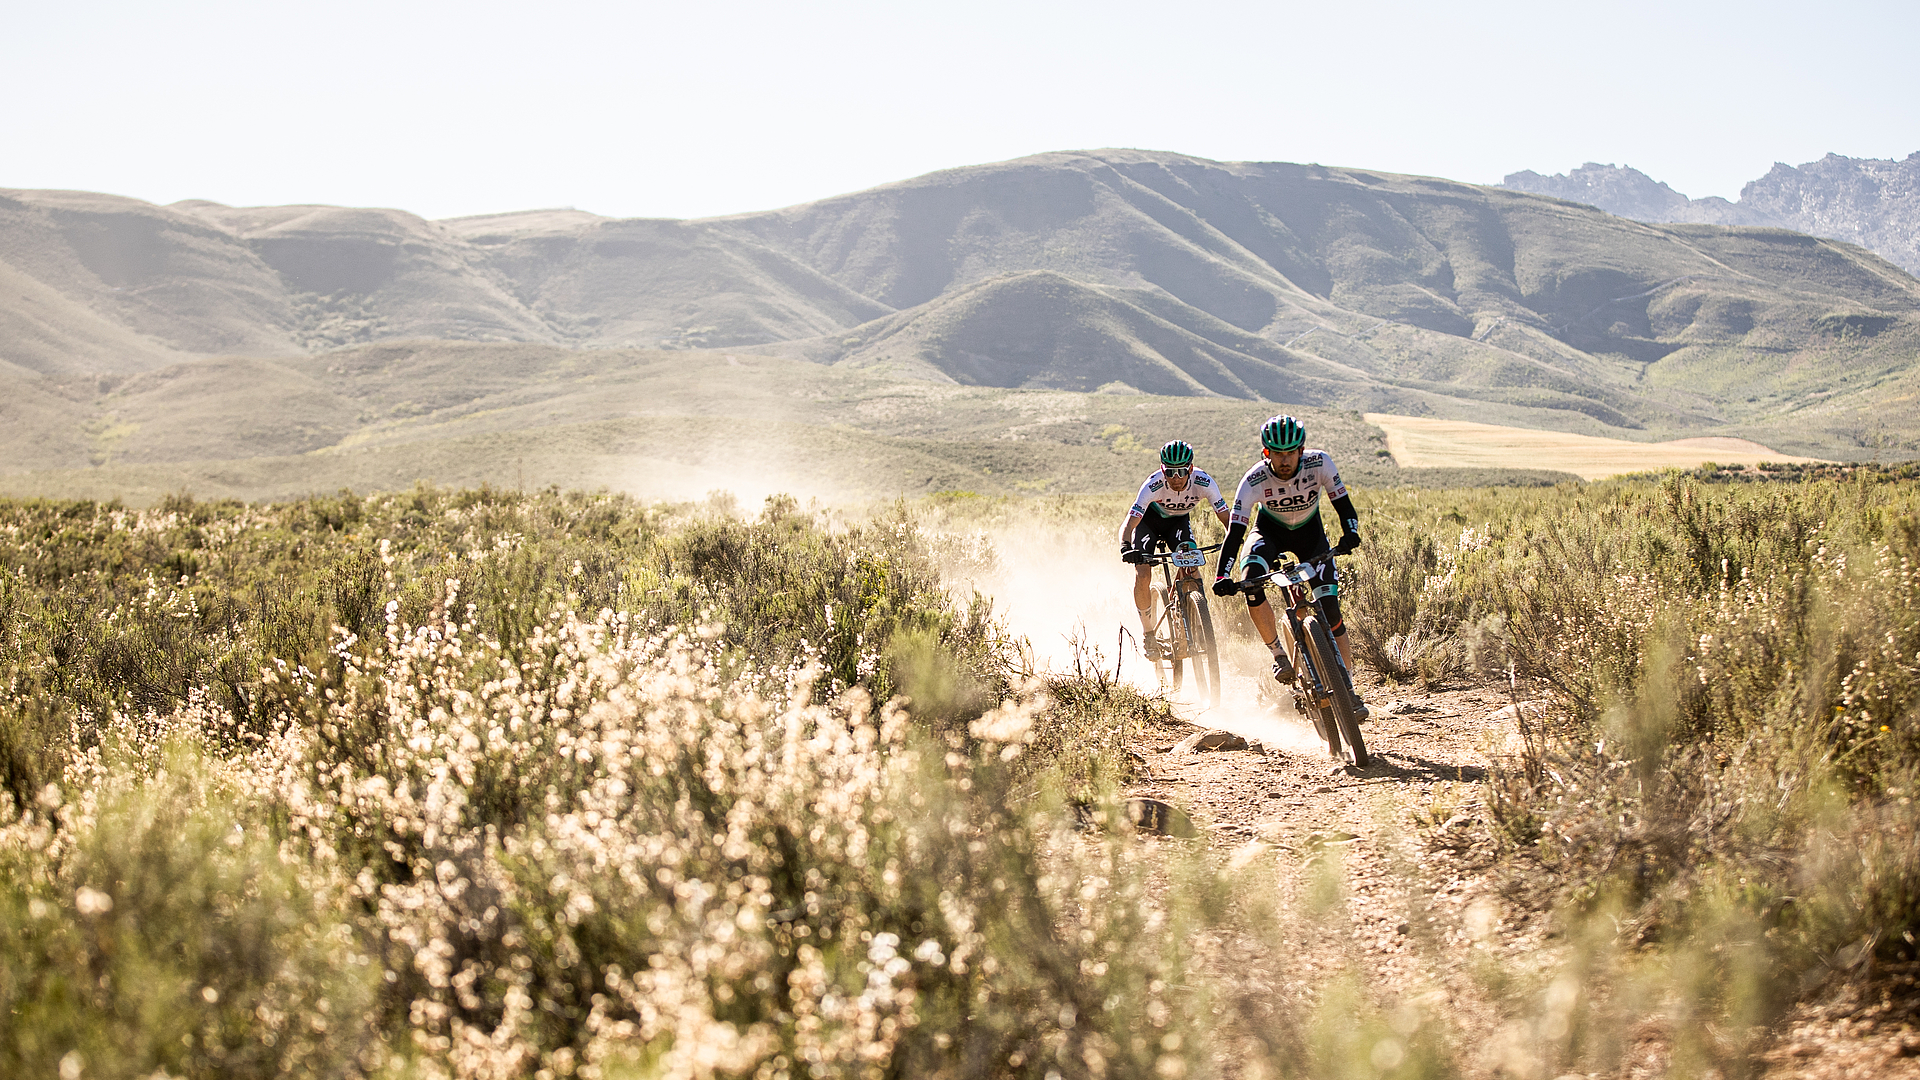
[493,837]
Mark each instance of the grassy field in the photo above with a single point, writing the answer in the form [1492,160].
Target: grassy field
[1426,442]
[477,784]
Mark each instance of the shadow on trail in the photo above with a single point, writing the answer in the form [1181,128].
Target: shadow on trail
[1394,766]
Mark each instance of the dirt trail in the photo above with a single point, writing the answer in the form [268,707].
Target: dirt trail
[1407,922]
[1418,923]
[1410,923]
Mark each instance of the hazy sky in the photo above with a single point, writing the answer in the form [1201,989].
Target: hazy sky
[642,109]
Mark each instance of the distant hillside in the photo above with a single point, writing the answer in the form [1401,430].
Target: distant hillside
[137,333]
[1873,202]
[665,424]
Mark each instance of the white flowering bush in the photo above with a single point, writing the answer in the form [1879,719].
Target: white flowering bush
[480,833]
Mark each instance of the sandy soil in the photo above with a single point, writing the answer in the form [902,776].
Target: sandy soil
[1425,442]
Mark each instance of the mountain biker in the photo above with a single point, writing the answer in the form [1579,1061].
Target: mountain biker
[1159,518]
[1280,497]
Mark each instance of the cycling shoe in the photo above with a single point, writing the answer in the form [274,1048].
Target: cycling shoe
[1282,669]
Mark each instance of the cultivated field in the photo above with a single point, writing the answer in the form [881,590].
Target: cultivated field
[1418,442]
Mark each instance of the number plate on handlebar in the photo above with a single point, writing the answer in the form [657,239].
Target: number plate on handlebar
[1189,558]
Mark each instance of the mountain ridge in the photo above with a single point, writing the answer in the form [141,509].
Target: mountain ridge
[1122,271]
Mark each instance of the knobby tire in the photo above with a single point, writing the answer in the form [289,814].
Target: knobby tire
[1200,642]
[1172,641]
[1307,668]
[1326,660]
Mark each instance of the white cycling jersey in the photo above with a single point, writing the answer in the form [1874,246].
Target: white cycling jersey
[1158,497]
[1293,502]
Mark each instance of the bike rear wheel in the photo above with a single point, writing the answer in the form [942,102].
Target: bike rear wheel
[1200,641]
[1346,720]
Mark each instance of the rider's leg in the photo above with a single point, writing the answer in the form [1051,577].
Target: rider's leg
[1339,628]
[1264,623]
[1143,596]
[1143,602]
[1265,553]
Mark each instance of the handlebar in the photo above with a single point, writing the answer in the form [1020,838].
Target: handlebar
[1158,558]
[1284,570]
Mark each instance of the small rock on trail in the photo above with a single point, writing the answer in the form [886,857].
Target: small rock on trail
[1212,739]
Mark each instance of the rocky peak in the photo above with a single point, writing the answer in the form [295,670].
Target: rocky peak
[1873,202]
[1622,192]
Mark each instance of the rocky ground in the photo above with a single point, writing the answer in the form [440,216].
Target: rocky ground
[1388,889]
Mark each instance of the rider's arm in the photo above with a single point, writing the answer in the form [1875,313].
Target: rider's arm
[1136,512]
[1211,490]
[1337,495]
[1230,550]
[1244,501]
[1349,517]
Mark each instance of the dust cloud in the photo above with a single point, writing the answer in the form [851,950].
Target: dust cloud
[1068,595]
[750,474]
[1060,588]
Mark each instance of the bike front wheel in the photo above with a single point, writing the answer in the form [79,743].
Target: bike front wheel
[1169,666]
[1201,647]
[1345,718]
[1313,703]
[1177,631]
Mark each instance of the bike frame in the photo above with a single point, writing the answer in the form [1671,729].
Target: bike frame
[1180,573]
[1300,596]
[1303,599]
[1178,565]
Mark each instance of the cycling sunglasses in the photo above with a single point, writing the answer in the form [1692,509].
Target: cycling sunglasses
[1188,471]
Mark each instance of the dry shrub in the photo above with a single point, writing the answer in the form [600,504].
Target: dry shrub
[1718,793]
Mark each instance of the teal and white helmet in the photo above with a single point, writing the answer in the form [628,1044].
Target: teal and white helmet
[1176,455]
[1283,433]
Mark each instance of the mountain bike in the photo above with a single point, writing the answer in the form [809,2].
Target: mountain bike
[1322,689]
[1183,623]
